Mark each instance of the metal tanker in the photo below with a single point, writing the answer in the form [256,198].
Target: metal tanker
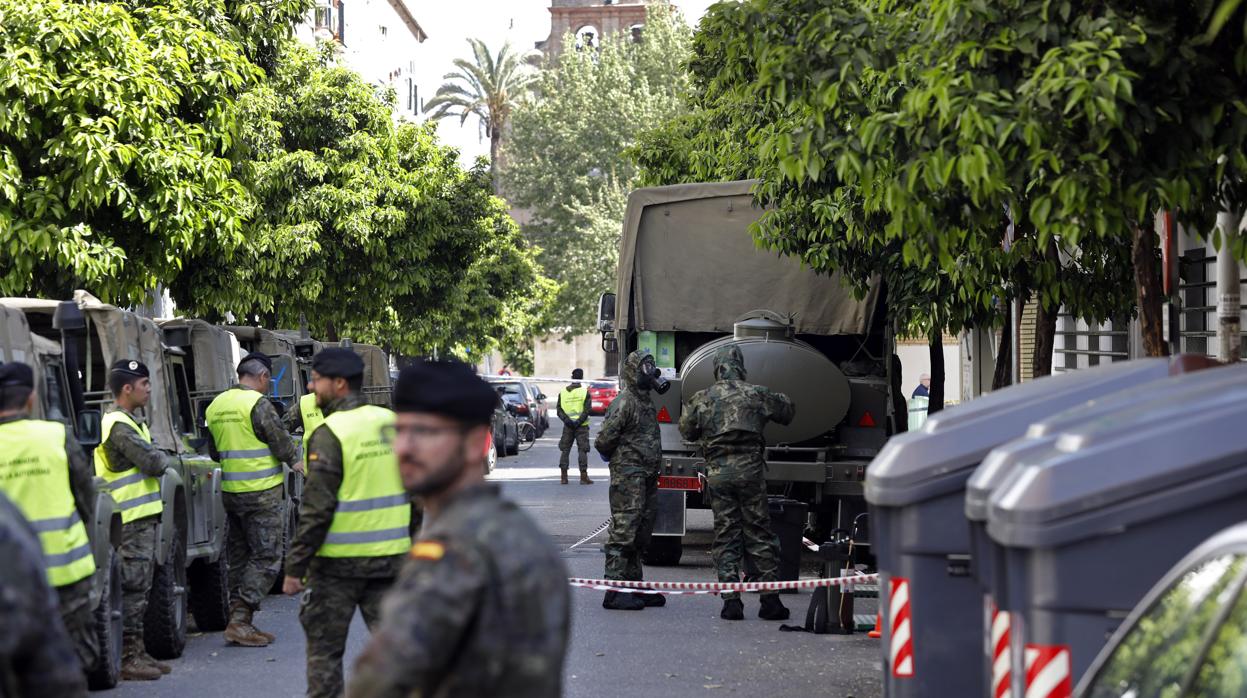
[691,280]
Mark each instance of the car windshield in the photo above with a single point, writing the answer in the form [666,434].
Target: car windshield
[1156,655]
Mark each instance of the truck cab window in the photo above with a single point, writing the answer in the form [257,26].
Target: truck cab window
[55,397]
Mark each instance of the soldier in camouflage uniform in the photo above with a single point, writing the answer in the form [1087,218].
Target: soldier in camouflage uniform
[630,442]
[36,655]
[257,519]
[339,581]
[727,419]
[482,605]
[123,450]
[17,388]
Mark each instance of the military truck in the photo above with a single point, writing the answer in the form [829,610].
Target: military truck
[377,389]
[192,570]
[58,393]
[692,280]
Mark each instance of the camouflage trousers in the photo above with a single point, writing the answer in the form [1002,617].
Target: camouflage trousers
[257,531]
[325,612]
[138,568]
[580,436]
[75,605]
[742,528]
[634,506]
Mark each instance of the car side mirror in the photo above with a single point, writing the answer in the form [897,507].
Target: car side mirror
[512,409]
[541,396]
[610,344]
[89,428]
[68,317]
[606,313]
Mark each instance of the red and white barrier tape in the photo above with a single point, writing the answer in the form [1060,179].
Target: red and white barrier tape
[677,588]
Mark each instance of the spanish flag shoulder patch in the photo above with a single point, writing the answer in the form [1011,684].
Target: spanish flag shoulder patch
[427,550]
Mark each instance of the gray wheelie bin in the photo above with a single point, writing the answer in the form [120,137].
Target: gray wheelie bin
[999,465]
[915,488]
[1087,522]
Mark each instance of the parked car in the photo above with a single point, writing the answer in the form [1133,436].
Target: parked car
[524,399]
[506,433]
[603,393]
[543,406]
[1188,637]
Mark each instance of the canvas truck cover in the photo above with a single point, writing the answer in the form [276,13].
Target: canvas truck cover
[687,262]
[115,334]
[18,343]
[261,340]
[216,351]
[376,366]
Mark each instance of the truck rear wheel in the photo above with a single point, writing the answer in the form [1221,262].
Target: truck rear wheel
[209,590]
[164,624]
[108,626]
[664,551]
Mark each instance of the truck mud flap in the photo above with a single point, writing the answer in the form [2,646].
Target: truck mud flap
[671,518]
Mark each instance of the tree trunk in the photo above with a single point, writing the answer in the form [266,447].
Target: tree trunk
[1149,292]
[1004,354]
[495,149]
[1045,324]
[935,402]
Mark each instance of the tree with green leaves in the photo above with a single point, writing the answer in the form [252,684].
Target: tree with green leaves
[114,140]
[487,87]
[565,159]
[366,228]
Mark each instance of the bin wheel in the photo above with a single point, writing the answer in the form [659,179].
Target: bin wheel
[664,551]
[108,626]
[164,624]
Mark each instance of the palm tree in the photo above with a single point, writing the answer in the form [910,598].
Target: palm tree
[488,87]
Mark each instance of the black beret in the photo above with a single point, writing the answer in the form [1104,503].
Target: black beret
[15,374]
[130,367]
[577,374]
[336,362]
[448,388]
[258,356]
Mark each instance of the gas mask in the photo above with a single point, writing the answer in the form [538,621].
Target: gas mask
[650,378]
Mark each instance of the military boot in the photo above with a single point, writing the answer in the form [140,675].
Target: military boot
[584,478]
[135,668]
[241,632]
[160,666]
[622,601]
[733,609]
[651,600]
[772,608]
[564,480]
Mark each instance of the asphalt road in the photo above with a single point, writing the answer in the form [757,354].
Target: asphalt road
[680,650]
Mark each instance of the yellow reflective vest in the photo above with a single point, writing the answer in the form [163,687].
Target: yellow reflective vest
[247,464]
[34,473]
[373,516]
[573,402]
[312,418]
[137,495]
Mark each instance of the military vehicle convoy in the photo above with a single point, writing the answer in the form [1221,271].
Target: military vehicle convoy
[691,280]
[70,345]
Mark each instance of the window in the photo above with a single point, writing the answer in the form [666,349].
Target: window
[55,398]
[283,378]
[342,22]
[1155,656]
[185,421]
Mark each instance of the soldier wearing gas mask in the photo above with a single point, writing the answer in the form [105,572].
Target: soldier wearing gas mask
[629,441]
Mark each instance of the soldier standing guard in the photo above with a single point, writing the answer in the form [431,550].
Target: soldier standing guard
[250,443]
[307,417]
[482,605]
[57,499]
[355,523]
[728,419]
[630,442]
[133,466]
[573,410]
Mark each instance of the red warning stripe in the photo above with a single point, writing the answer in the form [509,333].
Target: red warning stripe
[1048,672]
[901,641]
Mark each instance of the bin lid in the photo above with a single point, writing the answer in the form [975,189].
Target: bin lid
[1168,453]
[938,458]
[999,464]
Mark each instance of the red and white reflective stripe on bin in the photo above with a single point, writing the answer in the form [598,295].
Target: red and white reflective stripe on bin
[1002,672]
[902,640]
[1048,672]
